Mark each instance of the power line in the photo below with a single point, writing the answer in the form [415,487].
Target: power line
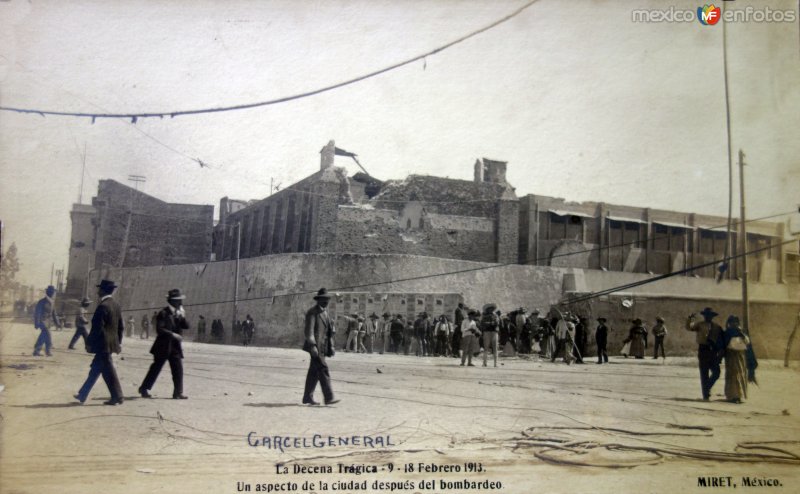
[202,163]
[172,114]
[635,284]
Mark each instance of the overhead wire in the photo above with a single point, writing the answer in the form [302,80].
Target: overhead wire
[175,113]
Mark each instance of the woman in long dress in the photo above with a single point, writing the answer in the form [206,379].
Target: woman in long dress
[736,343]
[638,339]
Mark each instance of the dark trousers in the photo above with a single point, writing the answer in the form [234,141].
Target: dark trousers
[602,355]
[102,365]
[397,342]
[175,365]
[318,373]
[80,331]
[456,344]
[659,344]
[709,369]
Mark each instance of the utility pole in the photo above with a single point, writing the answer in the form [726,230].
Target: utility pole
[136,179]
[83,174]
[743,243]
[236,275]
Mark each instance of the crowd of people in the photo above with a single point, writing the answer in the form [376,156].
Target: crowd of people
[563,335]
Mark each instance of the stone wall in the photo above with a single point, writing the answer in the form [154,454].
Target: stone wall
[277,290]
[365,230]
[135,229]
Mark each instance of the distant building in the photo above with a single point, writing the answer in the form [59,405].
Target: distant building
[611,237]
[331,212]
[483,220]
[127,228]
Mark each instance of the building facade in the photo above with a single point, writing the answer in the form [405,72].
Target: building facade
[420,215]
[127,228]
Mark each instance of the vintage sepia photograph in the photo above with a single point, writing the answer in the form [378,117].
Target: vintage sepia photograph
[399,246]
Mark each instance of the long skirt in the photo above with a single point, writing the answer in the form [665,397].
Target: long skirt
[637,347]
[735,375]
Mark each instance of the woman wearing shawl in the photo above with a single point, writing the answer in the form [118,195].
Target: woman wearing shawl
[737,370]
[637,338]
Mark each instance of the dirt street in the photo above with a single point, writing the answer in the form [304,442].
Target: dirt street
[517,428]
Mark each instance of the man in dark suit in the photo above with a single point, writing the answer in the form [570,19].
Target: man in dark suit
[317,330]
[170,324]
[104,339]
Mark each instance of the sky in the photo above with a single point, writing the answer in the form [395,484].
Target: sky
[581,101]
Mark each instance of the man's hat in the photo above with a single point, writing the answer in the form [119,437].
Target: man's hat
[360,318]
[322,293]
[473,313]
[659,319]
[601,319]
[423,314]
[86,302]
[107,286]
[386,314]
[732,321]
[498,312]
[490,307]
[175,294]
[708,312]
[374,316]
[637,321]
[50,290]
[534,311]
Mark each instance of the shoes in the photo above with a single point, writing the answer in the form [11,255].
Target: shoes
[470,365]
[180,397]
[71,348]
[145,393]
[36,354]
[310,401]
[462,364]
[113,402]
[484,364]
[77,397]
[48,354]
[333,401]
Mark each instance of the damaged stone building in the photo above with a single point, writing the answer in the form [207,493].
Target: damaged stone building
[484,220]
[124,227]
[421,215]
[425,243]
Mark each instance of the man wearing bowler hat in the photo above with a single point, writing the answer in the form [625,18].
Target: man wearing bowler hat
[710,349]
[318,329]
[104,339]
[170,324]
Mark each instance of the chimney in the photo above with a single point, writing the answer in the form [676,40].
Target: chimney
[478,171]
[326,155]
[491,171]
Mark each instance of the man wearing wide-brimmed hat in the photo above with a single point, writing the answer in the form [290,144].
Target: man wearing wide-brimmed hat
[104,339]
[171,322]
[710,349]
[80,324]
[317,331]
[43,315]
